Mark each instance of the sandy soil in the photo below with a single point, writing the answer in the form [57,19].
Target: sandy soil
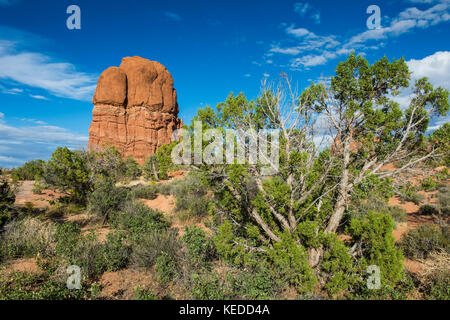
[22,265]
[25,194]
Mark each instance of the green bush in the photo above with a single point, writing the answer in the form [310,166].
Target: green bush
[30,170]
[143,294]
[150,246]
[443,201]
[360,209]
[373,234]
[106,199]
[138,220]
[30,286]
[158,165]
[190,195]
[426,239]
[200,250]
[144,192]
[7,199]
[291,262]
[427,210]
[28,237]
[116,253]
[133,169]
[428,184]
[166,268]
[69,171]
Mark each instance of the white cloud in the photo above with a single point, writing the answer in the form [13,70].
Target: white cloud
[318,50]
[38,97]
[36,141]
[40,71]
[304,9]
[435,67]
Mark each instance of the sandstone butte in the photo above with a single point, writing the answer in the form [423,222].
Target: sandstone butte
[135,109]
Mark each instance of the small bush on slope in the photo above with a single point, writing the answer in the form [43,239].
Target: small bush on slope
[426,239]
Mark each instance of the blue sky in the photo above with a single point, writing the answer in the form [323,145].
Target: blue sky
[48,72]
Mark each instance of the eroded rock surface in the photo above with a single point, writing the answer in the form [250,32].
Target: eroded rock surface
[135,108]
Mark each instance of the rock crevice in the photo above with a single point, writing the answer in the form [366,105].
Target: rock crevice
[135,109]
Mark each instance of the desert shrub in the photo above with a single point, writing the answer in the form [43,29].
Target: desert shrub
[38,186]
[409,193]
[30,170]
[428,209]
[434,276]
[7,199]
[373,235]
[28,237]
[107,163]
[262,282]
[106,198]
[132,168]
[200,250]
[291,262]
[116,253]
[428,184]
[30,286]
[338,270]
[69,171]
[143,294]
[138,220]
[443,201]
[373,187]
[441,139]
[144,192]
[238,284]
[208,286]
[190,195]
[158,165]
[426,239]
[166,268]
[150,246]
[360,209]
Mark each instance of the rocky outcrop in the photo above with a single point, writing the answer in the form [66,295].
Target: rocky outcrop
[135,108]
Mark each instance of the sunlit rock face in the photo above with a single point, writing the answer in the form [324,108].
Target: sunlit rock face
[135,109]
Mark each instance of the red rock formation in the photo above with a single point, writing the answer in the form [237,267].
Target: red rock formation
[135,108]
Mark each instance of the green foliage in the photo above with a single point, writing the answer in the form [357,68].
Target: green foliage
[107,163]
[28,237]
[426,239]
[7,199]
[116,253]
[133,169]
[143,294]
[150,246]
[200,250]
[374,187]
[69,171]
[360,209]
[158,165]
[373,235]
[428,209]
[190,195]
[291,260]
[441,139]
[428,184]
[144,192]
[443,201]
[138,220]
[106,198]
[30,170]
[409,193]
[166,268]
[30,286]
[338,268]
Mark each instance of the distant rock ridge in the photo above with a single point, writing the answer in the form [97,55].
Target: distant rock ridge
[135,108]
